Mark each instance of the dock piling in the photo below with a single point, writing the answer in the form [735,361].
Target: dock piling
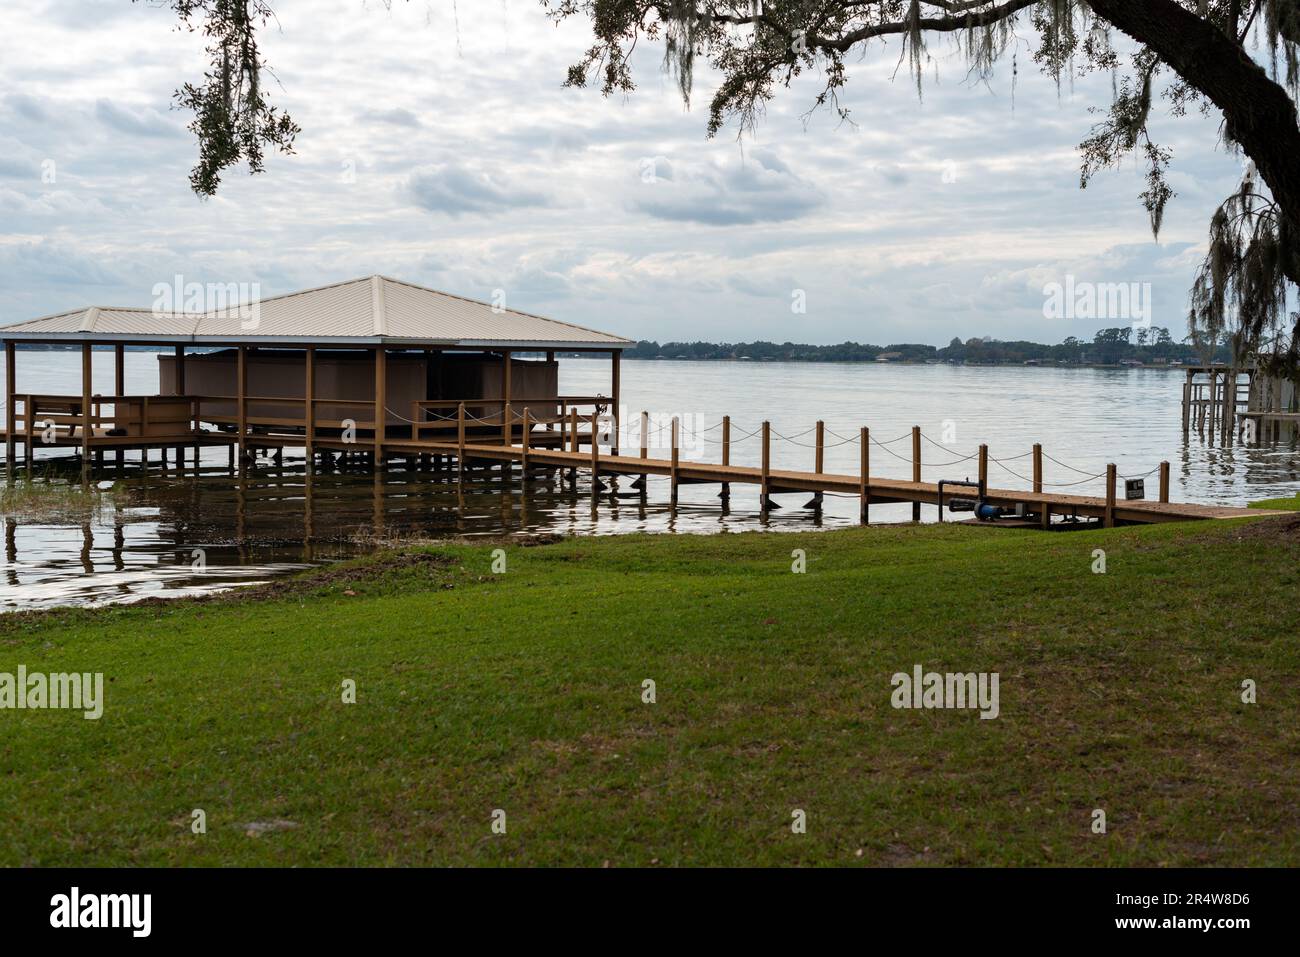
[726,454]
[864,436]
[672,475]
[916,468]
[1164,481]
[1109,519]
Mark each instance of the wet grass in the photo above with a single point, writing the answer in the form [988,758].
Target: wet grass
[523,692]
[52,500]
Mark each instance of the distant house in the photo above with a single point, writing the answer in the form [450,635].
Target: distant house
[889,357]
[1131,363]
[1031,362]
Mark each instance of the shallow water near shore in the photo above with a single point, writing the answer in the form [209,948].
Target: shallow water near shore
[176,533]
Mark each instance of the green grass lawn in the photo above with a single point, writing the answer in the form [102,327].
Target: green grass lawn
[1279,504]
[523,691]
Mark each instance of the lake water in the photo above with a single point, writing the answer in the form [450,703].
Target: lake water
[157,528]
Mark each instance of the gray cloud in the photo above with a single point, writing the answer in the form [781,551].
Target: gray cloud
[762,188]
[456,189]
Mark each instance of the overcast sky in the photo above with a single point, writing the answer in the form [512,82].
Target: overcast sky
[438,146]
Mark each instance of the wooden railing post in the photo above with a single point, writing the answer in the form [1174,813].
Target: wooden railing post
[460,430]
[595,451]
[528,427]
[506,437]
[1109,520]
[726,453]
[767,464]
[673,468]
[241,398]
[573,430]
[645,434]
[820,457]
[916,468]
[984,468]
[1164,481]
[1038,468]
[864,477]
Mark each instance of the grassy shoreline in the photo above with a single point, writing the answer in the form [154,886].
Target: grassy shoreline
[523,691]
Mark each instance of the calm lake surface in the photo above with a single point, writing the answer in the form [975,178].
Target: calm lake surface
[148,540]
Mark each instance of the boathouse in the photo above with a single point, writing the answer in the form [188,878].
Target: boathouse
[359,364]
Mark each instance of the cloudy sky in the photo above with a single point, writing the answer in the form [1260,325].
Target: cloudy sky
[438,146]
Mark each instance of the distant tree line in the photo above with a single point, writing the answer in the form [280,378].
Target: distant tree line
[1108,347]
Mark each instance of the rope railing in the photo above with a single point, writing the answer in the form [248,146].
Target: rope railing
[735,435]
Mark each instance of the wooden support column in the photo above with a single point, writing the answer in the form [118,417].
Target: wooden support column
[1109,520]
[1164,481]
[11,390]
[573,430]
[984,468]
[309,406]
[528,427]
[241,398]
[645,434]
[507,438]
[616,376]
[673,468]
[726,453]
[916,468]
[381,402]
[1044,510]
[819,457]
[766,470]
[86,376]
[180,371]
[864,475]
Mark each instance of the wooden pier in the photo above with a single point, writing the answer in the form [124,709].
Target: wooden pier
[572,443]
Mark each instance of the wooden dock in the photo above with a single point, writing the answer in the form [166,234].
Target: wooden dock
[560,443]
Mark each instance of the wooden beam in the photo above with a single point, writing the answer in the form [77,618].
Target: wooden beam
[241,398]
[616,375]
[1164,481]
[86,383]
[381,402]
[1109,518]
[11,390]
[180,372]
[309,404]
[916,468]
[864,475]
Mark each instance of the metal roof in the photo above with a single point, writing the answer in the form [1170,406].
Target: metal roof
[369,311]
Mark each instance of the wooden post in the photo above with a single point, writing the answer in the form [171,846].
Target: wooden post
[645,434]
[86,427]
[119,388]
[309,405]
[726,452]
[916,468]
[984,468]
[864,476]
[595,451]
[528,427]
[767,464]
[381,402]
[673,469]
[460,431]
[506,430]
[1187,403]
[573,430]
[819,457]
[11,418]
[1109,520]
[180,371]
[1038,468]
[241,397]
[616,376]
[1164,481]
[505,376]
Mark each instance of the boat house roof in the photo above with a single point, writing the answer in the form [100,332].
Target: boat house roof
[373,311]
